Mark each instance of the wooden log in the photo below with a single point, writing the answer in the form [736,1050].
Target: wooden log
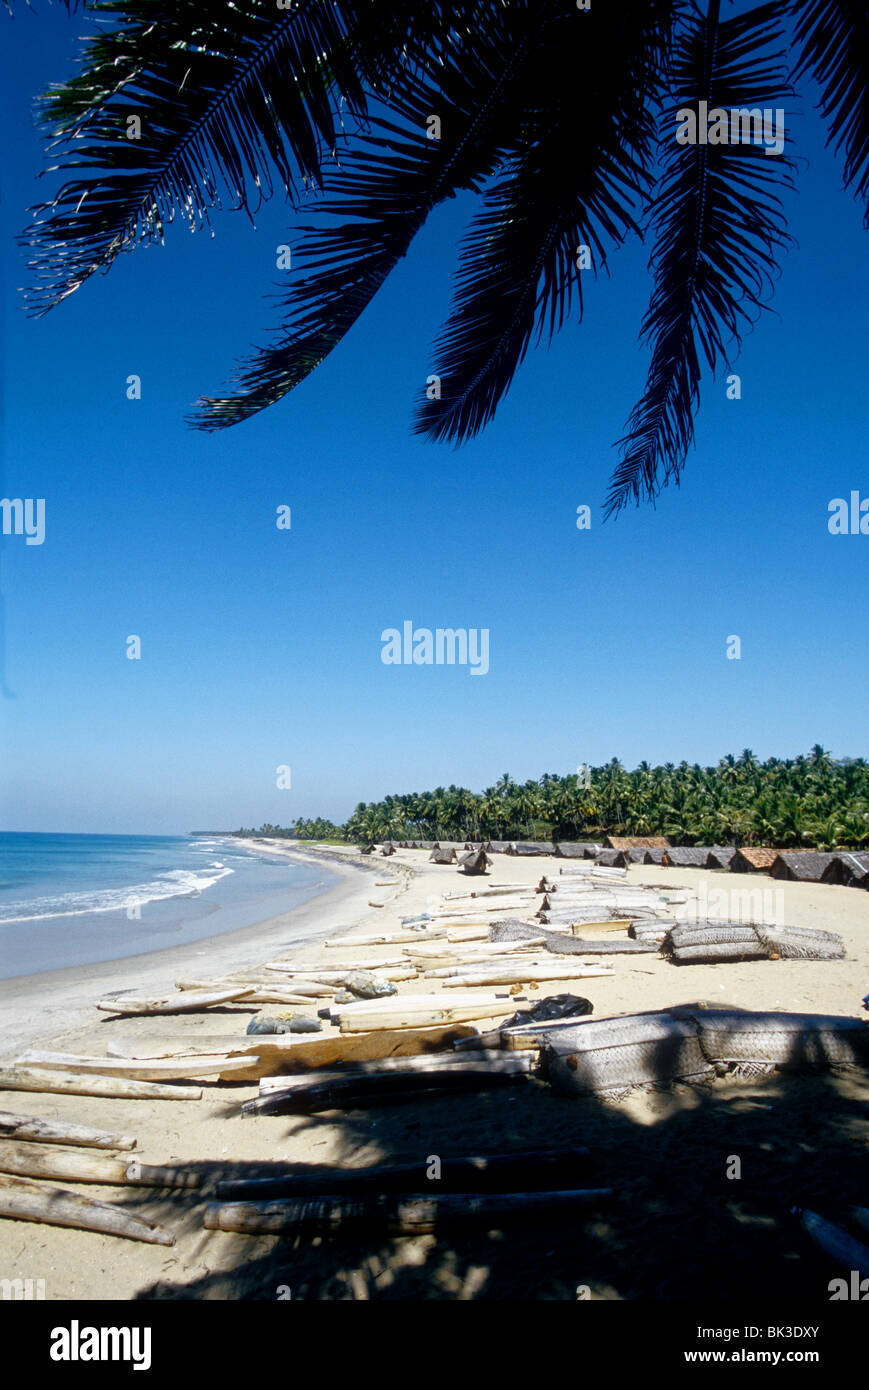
[304,989]
[494,1058]
[469,949]
[369,1088]
[29,1201]
[60,1132]
[25,1079]
[457,970]
[422,1018]
[400,1001]
[154,1069]
[161,1175]
[473,1174]
[70,1165]
[321,975]
[383,938]
[519,974]
[394,1215]
[187,1002]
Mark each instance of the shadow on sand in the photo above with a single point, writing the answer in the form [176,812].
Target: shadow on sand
[676,1227]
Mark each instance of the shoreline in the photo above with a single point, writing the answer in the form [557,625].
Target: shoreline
[38,1007]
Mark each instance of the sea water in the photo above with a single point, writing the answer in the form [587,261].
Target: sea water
[78,899]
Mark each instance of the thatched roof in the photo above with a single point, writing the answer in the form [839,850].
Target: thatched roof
[653,856]
[576,849]
[850,867]
[476,861]
[637,856]
[613,858]
[720,856]
[637,842]
[751,860]
[501,846]
[687,857]
[806,866]
[443,855]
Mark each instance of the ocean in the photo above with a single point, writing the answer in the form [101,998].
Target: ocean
[80,899]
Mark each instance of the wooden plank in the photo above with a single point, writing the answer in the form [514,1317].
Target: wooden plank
[394,1215]
[287,1054]
[24,1079]
[29,1201]
[41,1131]
[155,1069]
[284,1055]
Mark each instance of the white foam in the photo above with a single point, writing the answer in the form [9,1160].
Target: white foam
[174,884]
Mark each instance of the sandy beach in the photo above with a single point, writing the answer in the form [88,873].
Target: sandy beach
[663,1151]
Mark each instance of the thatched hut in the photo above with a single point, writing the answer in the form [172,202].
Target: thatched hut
[751,860]
[848,867]
[637,842]
[574,849]
[368,849]
[652,856]
[442,856]
[531,847]
[476,861]
[804,866]
[500,846]
[613,858]
[720,856]
[686,857]
[427,844]
[387,847]
[638,856]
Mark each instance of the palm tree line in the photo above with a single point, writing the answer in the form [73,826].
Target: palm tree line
[811,802]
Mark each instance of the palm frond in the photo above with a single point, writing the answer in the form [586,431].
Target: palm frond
[389,181]
[576,178]
[718,224]
[230,96]
[833,38]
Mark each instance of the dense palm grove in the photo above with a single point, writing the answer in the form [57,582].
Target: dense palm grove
[814,802]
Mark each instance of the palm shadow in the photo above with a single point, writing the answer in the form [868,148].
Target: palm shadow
[703,1181]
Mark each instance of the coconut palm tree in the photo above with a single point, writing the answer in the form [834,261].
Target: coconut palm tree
[561,121]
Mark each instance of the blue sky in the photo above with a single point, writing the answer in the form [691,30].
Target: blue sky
[262,647]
